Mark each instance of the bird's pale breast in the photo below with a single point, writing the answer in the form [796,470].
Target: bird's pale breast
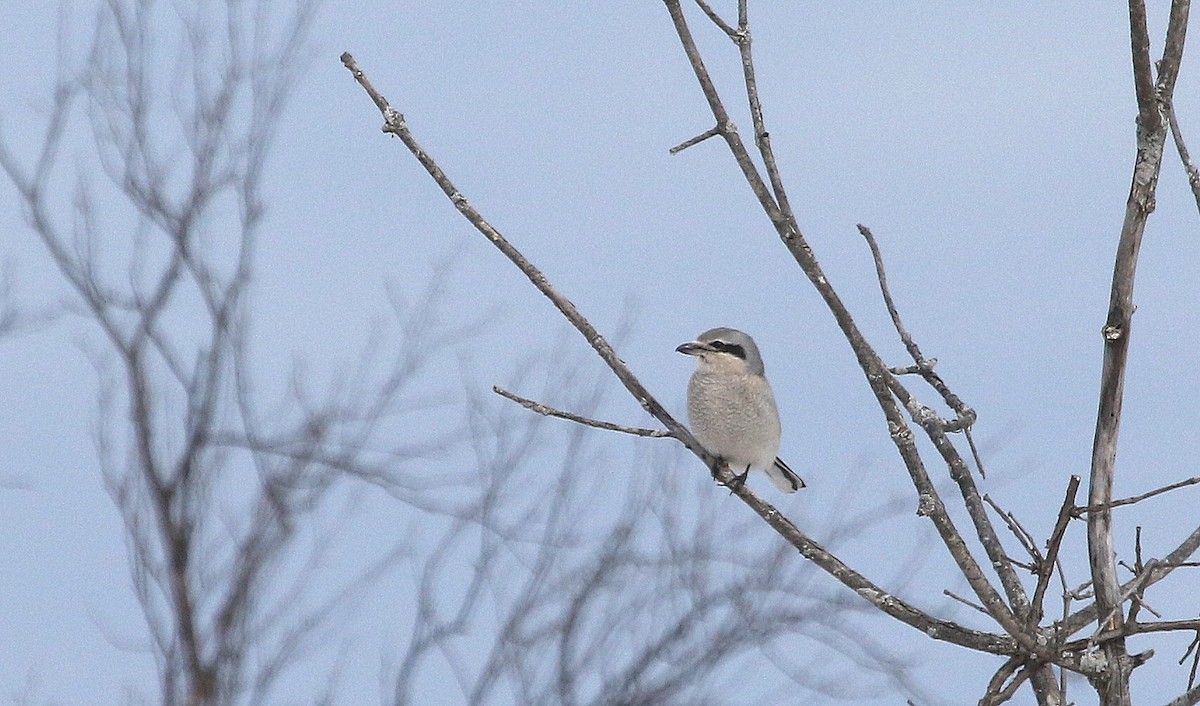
[734,416]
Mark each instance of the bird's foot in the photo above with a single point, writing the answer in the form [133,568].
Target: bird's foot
[735,484]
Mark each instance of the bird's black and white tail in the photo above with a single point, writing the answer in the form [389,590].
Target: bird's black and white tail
[784,478]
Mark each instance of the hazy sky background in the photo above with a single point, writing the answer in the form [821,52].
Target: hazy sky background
[988,147]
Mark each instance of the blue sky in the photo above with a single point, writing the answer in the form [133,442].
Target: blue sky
[989,149]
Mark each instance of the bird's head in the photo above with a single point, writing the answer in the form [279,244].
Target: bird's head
[725,348]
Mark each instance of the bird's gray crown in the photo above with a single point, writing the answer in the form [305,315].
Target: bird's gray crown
[734,342]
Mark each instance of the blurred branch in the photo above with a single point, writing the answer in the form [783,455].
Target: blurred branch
[644,610]
[13,318]
[181,431]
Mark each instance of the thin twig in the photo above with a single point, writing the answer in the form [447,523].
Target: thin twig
[1139,566]
[1138,629]
[1081,511]
[1193,649]
[924,367]
[725,125]
[974,449]
[1110,622]
[762,139]
[1066,610]
[716,19]
[1046,566]
[552,412]
[1188,165]
[964,601]
[1178,557]
[1023,536]
[711,132]
[1028,566]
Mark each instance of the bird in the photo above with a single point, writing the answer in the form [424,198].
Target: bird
[731,409]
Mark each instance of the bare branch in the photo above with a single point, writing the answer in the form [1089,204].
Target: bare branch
[711,132]
[1046,566]
[975,606]
[725,125]
[998,691]
[1022,535]
[716,19]
[1193,649]
[395,124]
[1139,628]
[551,412]
[1151,136]
[922,366]
[1174,559]
[883,384]
[1081,511]
[1181,149]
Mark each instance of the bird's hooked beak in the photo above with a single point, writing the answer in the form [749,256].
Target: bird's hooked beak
[693,348]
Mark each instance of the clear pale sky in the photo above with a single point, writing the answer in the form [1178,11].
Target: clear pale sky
[989,149]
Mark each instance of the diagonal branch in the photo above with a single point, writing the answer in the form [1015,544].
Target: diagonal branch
[1184,156]
[552,412]
[1081,511]
[923,366]
[395,124]
[1046,566]
[725,126]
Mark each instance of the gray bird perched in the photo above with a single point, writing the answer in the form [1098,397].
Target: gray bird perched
[731,408]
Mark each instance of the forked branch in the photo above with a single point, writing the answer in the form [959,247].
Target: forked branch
[882,382]
[1152,98]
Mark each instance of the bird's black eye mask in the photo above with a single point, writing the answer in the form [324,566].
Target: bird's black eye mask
[730,348]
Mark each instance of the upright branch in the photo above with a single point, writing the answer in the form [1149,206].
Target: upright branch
[1153,98]
[883,383]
